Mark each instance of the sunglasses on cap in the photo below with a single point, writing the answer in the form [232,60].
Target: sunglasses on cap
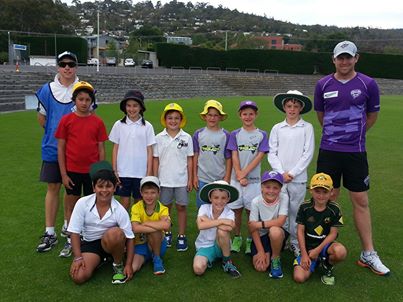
[70,64]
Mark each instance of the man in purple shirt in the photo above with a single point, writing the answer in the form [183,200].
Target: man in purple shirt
[347,105]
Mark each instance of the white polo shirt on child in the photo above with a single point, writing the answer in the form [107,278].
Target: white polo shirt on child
[173,153]
[133,139]
[85,219]
[291,149]
[207,237]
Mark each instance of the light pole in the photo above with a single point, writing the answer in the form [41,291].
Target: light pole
[98,39]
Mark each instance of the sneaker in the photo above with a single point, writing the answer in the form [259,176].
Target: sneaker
[66,251]
[295,249]
[182,243]
[275,268]
[119,276]
[158,266]
[168,238]
[373,262]
[327,278]
[47,242]
[248,245]
[231,269]
[64,232]
[236,244]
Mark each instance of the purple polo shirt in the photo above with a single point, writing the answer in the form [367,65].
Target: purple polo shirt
[345,106]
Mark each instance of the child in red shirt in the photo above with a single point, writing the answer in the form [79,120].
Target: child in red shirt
[81,136]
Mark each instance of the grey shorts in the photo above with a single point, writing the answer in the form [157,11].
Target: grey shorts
[179,194]
[50,172]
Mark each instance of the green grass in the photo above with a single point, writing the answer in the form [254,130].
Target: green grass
[28,276]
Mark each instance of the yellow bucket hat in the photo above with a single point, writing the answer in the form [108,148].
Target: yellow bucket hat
[176,107]
[83,85]
[213,104]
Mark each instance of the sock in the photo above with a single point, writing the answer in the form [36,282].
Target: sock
[367,253]
[50,230]
[65,224]
[226,259]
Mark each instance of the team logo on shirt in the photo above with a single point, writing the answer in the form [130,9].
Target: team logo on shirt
[355,93]
[251,148]
[181,144]
[326,220]
[214,148]
[331,94]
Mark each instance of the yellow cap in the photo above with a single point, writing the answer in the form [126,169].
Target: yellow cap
[176,107]
[213,104]
[321,180]
[83,85]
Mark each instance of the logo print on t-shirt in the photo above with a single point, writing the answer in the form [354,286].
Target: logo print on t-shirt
[355,93]
[181,144]
[214,148]
[251,148]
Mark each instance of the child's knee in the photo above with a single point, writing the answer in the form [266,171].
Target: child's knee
[199,268]
[340,252]
[113,236]
[222,234]
[81,277]
[276,233]
[299,278]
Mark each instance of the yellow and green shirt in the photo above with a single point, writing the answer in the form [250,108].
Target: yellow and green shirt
[139,214]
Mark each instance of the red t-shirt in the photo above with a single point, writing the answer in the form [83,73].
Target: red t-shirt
[82,135]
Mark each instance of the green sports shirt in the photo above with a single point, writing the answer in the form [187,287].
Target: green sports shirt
[318,224]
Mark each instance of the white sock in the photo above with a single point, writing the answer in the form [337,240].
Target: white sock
[50,230]
[367,253]
[65,224]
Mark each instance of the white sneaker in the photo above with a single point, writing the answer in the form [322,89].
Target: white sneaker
[373,262]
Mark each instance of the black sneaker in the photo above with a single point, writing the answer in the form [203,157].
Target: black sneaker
[47,242]
[328,277]
[231,269]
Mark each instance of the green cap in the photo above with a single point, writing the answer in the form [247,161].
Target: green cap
[98,166]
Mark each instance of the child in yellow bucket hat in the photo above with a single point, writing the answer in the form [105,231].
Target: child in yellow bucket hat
[212,160]
[173,160]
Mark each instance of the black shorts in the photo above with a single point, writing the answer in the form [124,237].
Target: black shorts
[266,243]
[50,172]
[82,183]
[94,247]
[352,166]
[129,186]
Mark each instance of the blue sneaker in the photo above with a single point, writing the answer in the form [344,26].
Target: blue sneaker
[231,269]
[182,243]
[158,265]
[275,268]
[168,238]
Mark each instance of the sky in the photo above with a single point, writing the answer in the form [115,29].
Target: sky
[364,13]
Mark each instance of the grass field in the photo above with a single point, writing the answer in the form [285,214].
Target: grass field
[28,276]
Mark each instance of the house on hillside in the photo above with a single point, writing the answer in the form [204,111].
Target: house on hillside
[271,42]
[293,47]
[104,41]
[179,40]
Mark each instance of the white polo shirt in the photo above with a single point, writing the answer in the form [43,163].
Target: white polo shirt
[85,219]
[133,139]
[291,149]
[207,237]
[173,153]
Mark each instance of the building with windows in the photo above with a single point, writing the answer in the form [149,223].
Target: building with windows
[179,40]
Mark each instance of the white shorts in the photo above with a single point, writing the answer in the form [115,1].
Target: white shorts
[246,195]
